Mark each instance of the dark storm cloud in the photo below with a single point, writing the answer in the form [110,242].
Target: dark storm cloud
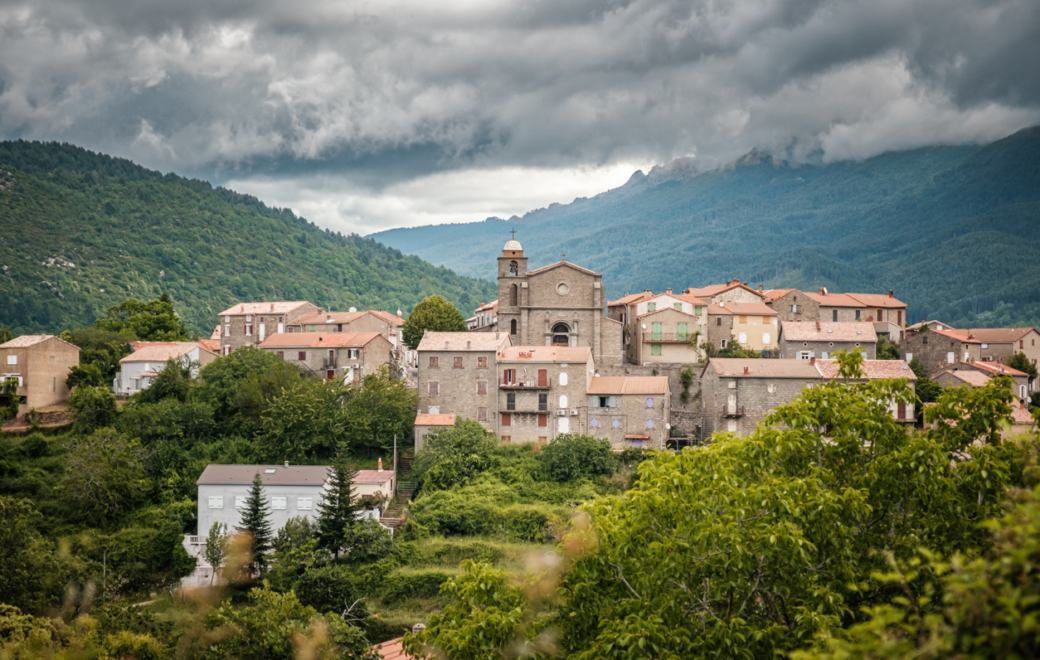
[396,90]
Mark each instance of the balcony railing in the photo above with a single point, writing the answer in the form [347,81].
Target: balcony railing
[326,363]
[667,337]
[733,411]
[532,384]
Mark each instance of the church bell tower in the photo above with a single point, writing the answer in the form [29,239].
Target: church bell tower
[512,289]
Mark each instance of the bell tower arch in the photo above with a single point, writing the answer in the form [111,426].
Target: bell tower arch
[512,289]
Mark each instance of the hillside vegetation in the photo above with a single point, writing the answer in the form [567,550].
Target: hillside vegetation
[953,230]
[80,232]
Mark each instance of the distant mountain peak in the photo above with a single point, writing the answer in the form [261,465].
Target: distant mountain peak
[757,157]
[680,168]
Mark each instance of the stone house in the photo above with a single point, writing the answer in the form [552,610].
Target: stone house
[937,348]
[375,484]
[561,304]
[950,376]
[754,326]
[731,291]
[541,391]
[887,313]
[427,424]
[249,324]
[837,307]
[791,305]
[389,325]
[878,370]
[40,364]
[629,411]
[485,318]
[458,375]
[668,336]
[1000,344]
[737,393]
[148,358]
[330,355]
[802,340]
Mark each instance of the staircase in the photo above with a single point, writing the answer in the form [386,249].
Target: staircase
[394,516]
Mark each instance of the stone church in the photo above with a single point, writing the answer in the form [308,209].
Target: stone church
[556,305]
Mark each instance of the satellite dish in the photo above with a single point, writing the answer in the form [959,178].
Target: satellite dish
[353,309]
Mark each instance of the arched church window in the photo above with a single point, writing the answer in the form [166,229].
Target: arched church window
[514,268]
[512,327]
[513,295]
[561,335]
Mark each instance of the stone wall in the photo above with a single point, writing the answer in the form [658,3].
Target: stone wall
[458,387]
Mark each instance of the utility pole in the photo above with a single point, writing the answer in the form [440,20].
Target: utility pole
[395,466]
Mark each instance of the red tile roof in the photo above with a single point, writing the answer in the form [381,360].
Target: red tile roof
[392,319]
[426,419]
[878,300]
[211,345]
[316,318]
[872,369]
[464,341]
[998,368]
[715,289]
[282,307]
[373,476]
[973,378]
[860,331]
[161,351]
[1021,415]
[763,368]
[773,295]
[629,299]
[998,335]
[667,309]
[392,650]
[835,299]
[320,339]
[628,385]
[957,336]
[692,299]
[564,354]
[25,341]
[742,309]
[486,306]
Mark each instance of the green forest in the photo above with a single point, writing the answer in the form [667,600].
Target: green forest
[80,232]
[953,230]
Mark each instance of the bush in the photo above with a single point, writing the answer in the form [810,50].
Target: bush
[401,585]
[449,552]
[456,514]
[94,408]
[331,588]
[572,457]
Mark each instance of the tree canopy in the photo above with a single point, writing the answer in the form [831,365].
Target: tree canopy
[434,314]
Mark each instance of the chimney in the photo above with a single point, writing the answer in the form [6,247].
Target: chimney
[647,291]
[418,628]
[760,288]
[727,282]
[817,325]
[445,344]
[812,360]
[745,371]
[272,307]
[890,292]
[287,464]
[668,291]
[745,282]
[823,290]
[496,335]
[468,344]
[380,465]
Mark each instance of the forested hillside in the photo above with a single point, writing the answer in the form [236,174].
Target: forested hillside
[955,231]
[80,232]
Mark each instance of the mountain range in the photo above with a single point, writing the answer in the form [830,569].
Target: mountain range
[953,230]
[80,232]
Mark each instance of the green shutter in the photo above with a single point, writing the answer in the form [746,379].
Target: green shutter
[698,310]
[655,349]
[681,332]
[655,331]
[651,307]
[678,306]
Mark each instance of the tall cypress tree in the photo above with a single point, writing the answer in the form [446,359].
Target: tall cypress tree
[339,508]
[255,521]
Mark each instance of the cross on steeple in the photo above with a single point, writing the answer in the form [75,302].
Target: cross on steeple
[563,257]
[513,232]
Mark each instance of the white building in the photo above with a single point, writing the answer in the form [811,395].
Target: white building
[148,358]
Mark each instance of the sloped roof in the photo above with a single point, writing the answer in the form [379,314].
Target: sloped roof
[161,351]
[320,339]
[872,369]
[973,378]
[878,300]
[558,264]
[373,476]
[211,345]
[561,354]
[742,309]
[956,335]
[486,306]
[388,317]
[25,341]
[692,299]
[668,309]
[317,318]
[464,341]
[628,385]
[763,368]
[629,299]
[392,650]
[773,295]
[242,475]
[215,334]
[281,307]
[860,331]
[716,289]
[1021,415]
[931,325]
[835,299]
[426,419]
[1000,369]
[998,335]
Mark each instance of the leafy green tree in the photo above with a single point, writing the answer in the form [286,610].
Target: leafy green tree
[93,408]
[256,522]
[1021,362]
[9,400]
[105,474]
[25,558]
[5,334]
[571,457]
[217,542]
[339,509]
[377,409]
[435,314]
[89,375]
[154,320]
[303,422]
[367,541]
[453,456]
[887,349]
[238,387]
[173,382]
[102,349]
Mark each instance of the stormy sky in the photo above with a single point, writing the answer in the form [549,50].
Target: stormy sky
[369,115]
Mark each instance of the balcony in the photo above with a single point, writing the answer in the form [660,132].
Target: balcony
[533,384]
[666,338]
[326,363]
[733,411]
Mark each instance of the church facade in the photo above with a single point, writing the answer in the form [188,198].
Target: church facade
[561,304]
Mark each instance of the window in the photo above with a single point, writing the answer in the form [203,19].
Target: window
[240,501]
[434,361]
[985,345]
[543,402]
[507,439]
[834,315]
[262,330]
[718,321]
[510,400]
[509,376]
[950,357]
[281,328]
[563,400]
[434,388]
[655,349]
[909,356]
[650,424]
[481,387]
[742,338]
[924,340]
[301,356]
[823,355]
[12,359]
[249,329]
[563,379]
[227,330]
[564,425]
[435,410]
[543,378]
[249,318]
[677,306]
[697,310]
[514,268]
[507,418]
[681,331]
[1021,343]
[543,439]
[655,332]
[227,319]
[482,416]
[724,342]
[354,352]
[742,319]
[304,503]
[651,307]
[512,327]
[278,503]
[857,314]
[649,402]
[607,401]
[281,355]
[616,423]
[482,363]
[216,502]
[457,363]
[765,339]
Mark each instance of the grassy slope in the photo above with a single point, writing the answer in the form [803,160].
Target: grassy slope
[133,232]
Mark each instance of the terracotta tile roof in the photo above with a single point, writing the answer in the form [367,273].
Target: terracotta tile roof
[715,289]
[564,354]
[998,335]
[860,331]
[973,378]
[668,309]
[211,345]
[25,341]
[998,368]
[876,300]
[772,295]
[242,475]
[392,650]
[835,299]
[425,419]
[742,309]
[464,341]
[1020,415]
[693,300]
[392,319]
[282,307]
[931,325]
[320,339]
[956,335]
[317,318]
[373,476]
[215,334]
[559,264]
[160,351]
[628,385]
[629,299]
[487,306]
[872,369]
[763,368]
